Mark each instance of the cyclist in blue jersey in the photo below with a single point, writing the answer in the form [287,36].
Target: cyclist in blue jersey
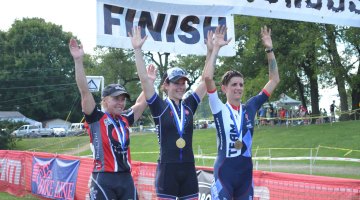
[176,174]
[235,125]
[109,133]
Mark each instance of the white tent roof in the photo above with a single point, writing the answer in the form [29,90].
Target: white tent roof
[287,101]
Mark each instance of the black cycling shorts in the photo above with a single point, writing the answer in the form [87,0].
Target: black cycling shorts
[112,186]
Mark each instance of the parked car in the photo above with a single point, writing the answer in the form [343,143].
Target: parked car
[75,129]
[59,132]
[32,131]
[205,123]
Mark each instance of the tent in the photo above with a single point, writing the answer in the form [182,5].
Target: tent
[286,101]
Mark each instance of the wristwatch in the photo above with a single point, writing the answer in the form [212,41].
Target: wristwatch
[269,50]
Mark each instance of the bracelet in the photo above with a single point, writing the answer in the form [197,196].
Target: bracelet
[269,50]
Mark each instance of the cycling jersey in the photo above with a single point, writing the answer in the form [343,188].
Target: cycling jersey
[166,128]
[108,153]
[233,166]
[176,174]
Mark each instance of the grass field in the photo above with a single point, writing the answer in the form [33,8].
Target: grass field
[341,139]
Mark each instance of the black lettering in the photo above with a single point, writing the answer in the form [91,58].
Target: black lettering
[352,7]
[232,128]
[233,137]
[154,30]
[171,28]
[207,25]
[316,5]
[231,149]
[108,20]
[297,3]
[272,1]
[184,26]
[129,20]
[330,6]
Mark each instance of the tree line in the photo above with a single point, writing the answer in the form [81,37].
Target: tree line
[37,71]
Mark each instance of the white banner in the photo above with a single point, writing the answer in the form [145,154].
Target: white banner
[171,30]
[338,12]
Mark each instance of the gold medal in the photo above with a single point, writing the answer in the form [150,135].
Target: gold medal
[180,143]
[238,144]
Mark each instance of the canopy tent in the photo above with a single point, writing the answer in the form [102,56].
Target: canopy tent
[286,101]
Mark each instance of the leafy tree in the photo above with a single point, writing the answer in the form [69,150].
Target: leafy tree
[7,141]
[38,73]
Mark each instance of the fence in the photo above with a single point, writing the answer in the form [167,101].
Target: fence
[16,172]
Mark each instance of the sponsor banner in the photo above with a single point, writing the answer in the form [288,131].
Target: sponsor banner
[11,174]
[54,178]
[339,12]
[167,31]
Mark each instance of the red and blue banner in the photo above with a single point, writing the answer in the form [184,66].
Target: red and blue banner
[54,178]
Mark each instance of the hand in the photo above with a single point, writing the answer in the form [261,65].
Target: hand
[136,39]
[76,50]
[219,36]
[266,37]
[209,40]
[151,72]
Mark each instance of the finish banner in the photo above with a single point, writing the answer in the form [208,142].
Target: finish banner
[54,178]
[167,31]
[338,12]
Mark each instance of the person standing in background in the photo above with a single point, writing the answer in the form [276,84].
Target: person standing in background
[332,111]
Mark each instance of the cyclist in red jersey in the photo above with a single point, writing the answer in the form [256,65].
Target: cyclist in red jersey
[109,133]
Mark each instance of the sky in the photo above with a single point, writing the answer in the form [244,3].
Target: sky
[76,16]
[79,17]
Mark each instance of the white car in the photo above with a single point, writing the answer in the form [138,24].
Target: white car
[59,132]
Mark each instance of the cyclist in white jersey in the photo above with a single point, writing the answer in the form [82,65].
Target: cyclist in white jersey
[235,125]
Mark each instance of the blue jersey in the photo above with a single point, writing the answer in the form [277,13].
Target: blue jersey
[233,167]
[166,127]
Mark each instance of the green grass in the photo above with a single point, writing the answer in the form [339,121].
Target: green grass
[52,144]
[323,140]
[4,195]
[335,140]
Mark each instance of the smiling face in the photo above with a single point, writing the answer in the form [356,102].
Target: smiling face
[175,90]
[114,105]
[234,89]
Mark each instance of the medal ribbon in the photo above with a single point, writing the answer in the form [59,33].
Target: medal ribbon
[238,129]
[180,123]
[120,132]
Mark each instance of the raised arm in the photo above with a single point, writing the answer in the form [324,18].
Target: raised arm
[274,78]
[140,104]
[87,100]
[218,41]
[137,43]
[213,43]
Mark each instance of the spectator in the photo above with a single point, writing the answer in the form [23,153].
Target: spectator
[332,111]
[262,114]
[282,114]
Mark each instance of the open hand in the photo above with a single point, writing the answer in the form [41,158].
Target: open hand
[151,72]
[136,39]
[219,36]
[266,37]
[76,50]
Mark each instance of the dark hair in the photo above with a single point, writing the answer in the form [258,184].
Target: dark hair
[228,75]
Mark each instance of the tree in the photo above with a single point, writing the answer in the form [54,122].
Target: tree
[38,78]
[7,141]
